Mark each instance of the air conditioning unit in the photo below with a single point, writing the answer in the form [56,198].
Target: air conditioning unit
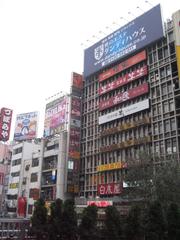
[24,180]
[27,167]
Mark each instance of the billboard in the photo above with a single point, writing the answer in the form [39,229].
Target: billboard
[129,77]
[139,57]
[110,189]
[176,21]
[111,166]
[26,126]
[5,123]
[56,116]
[77,80]
[122,97]
[100,204]
[122,112]
[132,37]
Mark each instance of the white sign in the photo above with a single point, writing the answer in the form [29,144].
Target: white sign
[122,112]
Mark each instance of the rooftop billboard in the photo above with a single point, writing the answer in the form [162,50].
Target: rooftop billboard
[132,37]
[26,126]
[5,123]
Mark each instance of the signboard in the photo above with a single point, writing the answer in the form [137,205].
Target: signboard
[129,77]
[122,97]
[132,37]
[139,57]
[176,22]
[111,166]
[26,126]
[100,203]
[122,112]
[5,123]
[110,189]
[55,116]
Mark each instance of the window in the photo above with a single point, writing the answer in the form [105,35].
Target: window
[34,177]
[35,162]
[16,162]
[17,150]
[167,125]
[30,208]
[15,174]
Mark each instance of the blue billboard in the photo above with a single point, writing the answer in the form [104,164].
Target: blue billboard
[135,35]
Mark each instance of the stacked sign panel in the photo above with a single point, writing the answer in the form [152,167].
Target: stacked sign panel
[74,134]
[26,126]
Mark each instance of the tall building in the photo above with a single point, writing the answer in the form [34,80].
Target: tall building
[130,102]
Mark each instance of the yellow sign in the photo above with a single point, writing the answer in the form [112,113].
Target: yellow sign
[13,185]
[111,166]
[176,20]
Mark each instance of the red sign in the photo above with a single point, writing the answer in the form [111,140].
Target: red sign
[77,80]
[129,77]
[110,189]
[5,123]
[99,203]
[123,65]
[122,97]
[22,206]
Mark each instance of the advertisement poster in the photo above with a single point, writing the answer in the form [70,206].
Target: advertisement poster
[26,126]
[5,123]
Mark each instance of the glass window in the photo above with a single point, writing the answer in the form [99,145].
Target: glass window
[35,162]
[34,177]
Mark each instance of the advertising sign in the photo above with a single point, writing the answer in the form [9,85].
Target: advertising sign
[55,116]
[122,112]
[100,203]
[122,97]
[5,124]
[77,80]
[130,38]
[129,77]
[176,22]
[110,189]
[26,126]
[139,57]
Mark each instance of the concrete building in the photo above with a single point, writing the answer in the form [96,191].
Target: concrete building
[130,102]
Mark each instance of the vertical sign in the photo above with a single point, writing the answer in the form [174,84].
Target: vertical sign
[176,21]
[5,123]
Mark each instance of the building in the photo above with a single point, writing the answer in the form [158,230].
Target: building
[25,173]
[130,102]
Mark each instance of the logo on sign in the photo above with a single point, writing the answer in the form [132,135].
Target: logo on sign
[98,52]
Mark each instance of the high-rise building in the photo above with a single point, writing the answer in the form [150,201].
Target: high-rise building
[130,101]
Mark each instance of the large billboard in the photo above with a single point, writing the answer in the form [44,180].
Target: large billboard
[26,126]
[5,123]
[122,112]
[132,37]
[56,115]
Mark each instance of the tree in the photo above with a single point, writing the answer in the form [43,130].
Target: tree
[39,219]
[55,220]
[88,227]
[173,222]
[69,221]
[154,222]
[133,227]
[112,224]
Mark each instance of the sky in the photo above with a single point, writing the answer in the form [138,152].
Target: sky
[43,41]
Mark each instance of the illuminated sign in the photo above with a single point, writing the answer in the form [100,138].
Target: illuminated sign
[122,112]
[13,185]
[132,37]
[110,189]
[123,65]
[122,97]
[111,166]
[100,203]
[129,77]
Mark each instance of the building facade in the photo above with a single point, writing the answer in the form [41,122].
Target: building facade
[130,102]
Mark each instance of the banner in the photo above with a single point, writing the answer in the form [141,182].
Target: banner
[110,189]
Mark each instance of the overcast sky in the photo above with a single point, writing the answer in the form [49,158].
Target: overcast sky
[42,42]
